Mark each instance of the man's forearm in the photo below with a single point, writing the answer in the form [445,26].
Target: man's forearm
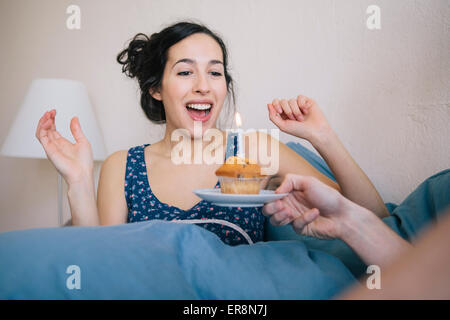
[423,272]
[372,240]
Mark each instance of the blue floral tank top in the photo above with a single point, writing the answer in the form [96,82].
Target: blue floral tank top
[233,225]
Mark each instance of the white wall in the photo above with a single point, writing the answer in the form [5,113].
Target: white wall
[385,92]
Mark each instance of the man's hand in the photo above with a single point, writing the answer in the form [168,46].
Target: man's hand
[313,208]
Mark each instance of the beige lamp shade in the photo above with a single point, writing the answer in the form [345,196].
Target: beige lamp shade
[70,99]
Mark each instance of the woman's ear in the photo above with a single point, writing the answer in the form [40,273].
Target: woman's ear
[155,93]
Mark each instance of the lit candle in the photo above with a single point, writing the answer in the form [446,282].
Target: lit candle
[240,143]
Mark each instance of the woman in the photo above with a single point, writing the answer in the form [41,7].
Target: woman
[183,75]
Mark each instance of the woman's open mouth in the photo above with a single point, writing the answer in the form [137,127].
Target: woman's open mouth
[199,112]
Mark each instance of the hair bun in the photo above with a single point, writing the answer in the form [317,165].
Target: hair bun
[132,58]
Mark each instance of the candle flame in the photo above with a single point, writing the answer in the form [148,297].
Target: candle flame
[238,119]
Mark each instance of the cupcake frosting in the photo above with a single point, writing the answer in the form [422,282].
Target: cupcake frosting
[236,167]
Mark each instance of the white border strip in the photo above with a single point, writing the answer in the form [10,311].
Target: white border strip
[219,221]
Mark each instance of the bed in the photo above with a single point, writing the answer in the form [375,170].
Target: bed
[165,260]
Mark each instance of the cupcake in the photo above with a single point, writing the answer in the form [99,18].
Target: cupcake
[239,176]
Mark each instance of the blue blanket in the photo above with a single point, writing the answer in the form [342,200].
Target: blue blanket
[164,260]
[161,260]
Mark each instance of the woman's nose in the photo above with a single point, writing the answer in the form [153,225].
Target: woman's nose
[201,84]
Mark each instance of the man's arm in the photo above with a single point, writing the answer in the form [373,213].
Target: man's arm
[422,272]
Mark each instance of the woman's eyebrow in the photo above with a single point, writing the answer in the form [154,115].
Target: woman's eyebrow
[190,61]
[215,62]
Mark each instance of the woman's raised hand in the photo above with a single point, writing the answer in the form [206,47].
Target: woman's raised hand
[73,161]
[312,207]
[300,117]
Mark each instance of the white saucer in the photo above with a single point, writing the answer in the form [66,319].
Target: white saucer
[216,197]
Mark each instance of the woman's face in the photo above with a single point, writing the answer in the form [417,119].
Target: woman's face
[193,85]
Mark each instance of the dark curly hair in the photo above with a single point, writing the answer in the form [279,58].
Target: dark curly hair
[146,57]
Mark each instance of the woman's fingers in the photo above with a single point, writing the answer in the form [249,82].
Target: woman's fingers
[304,103]
[43,124]
[276,104]
[275,117]
[38,128]
[295,109]
[42,132]
[59,141]
[280,110]
[287,109]
[46,123]
[75,128]
[48,136]
[54,132]
[46,139]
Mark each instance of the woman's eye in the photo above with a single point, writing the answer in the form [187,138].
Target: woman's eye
[184,73]
[216,74]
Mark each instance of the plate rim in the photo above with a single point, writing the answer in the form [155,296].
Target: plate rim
[215,191]
[238,200]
